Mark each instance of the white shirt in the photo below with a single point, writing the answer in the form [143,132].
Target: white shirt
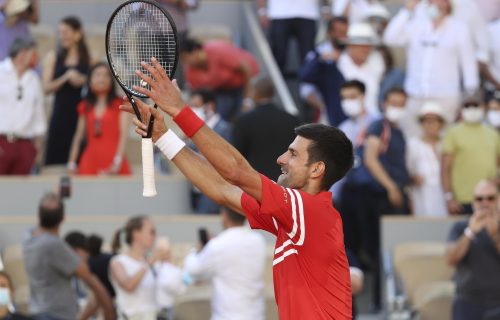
[21,106]
[436,59]
[359,10]
[468,12]
[141,303]
[234,260]
[286,9]
[428,199]
[494,56]
[370,73]
[168,284]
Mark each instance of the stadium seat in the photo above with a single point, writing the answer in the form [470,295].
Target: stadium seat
[96,35]
[411,261]
[434,300]
[211,32]
[14,266]
[195,304]
[45,37]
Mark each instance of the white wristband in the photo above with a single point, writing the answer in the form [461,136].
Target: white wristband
[469,233]
[170,144]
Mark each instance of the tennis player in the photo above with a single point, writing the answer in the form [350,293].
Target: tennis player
[311,273]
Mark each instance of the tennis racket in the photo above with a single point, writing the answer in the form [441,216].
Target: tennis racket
[138,31]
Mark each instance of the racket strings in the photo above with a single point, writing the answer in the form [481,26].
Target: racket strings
[138,32]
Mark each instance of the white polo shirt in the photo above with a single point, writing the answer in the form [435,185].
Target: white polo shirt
[234,260]
[21,104]
[436,60]
[286,9]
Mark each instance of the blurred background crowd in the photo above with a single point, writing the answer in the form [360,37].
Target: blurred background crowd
[415,85]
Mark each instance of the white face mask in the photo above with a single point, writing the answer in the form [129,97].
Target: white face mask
[394,114]
[200,112]
[352,107]
[472,115]
[433,11]
[494,118]
[4,297]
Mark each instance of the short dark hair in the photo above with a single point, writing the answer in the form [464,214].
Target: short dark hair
[264,87]
[394,90]
[189,45]
[19,44]
[94,244]
[332,147]
[76,240]
[336,19]
[50,211]
[206,95]
[356,84]
[234,216]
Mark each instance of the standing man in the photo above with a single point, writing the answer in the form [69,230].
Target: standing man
[234,261]
[221,67]
[311,273]
[262,133]
[22,116]
[50,264]
[474,249]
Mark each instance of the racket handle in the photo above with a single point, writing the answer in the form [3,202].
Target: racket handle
[148,170]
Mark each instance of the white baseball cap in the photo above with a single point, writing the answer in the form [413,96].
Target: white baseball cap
[361,34]
[431,108]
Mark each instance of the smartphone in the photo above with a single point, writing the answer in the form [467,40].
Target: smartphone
[65,187]
[203,236]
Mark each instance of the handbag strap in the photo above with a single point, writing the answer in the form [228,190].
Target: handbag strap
[385,137]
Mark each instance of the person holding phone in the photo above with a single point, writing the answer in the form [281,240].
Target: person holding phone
[234,261]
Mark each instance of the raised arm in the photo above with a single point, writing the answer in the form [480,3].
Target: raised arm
[226,160]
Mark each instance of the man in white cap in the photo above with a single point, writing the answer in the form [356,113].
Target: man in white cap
[15,15]
[438,61]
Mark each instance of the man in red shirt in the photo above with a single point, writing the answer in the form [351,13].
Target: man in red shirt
[221,67]
[311,273]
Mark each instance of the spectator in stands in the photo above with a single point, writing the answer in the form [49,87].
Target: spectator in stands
[102,126]
[261,134]
[15,17]
[170,280]
[64,74]
[491,72]
[384,157]
[99,262]
[50,264]
[493,115]
[22,115]
[221,67]
[471,153]
[346,192]
[234,261]
[7,299]
[203,103]
[474,248]
[78,242]
[131,272]
[288,20]
[393,76]
[424,166]
[378,16]
[361,62]
[356,11]
[321,77]
[437,60]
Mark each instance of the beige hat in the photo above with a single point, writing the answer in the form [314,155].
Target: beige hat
[431,108]
[361,34]
[14,7]
[377,10]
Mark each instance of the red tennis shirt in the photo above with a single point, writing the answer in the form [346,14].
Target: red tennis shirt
[310,269]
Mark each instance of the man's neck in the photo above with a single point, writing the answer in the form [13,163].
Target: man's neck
[53,231]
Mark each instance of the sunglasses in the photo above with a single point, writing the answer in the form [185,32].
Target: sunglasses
[487,198]
[471,105]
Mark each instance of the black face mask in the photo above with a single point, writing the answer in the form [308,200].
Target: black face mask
[339,44]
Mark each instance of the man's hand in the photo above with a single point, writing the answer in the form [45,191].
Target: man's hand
[164,93]
[395,196]
[478,221]
[146,111]
[454,207]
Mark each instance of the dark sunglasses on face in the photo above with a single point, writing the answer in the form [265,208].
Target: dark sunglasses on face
[471,105]
[487,198]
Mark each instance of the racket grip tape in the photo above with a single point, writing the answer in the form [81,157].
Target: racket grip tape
[148,170]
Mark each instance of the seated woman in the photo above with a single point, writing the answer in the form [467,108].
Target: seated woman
[6,299]
[104,126]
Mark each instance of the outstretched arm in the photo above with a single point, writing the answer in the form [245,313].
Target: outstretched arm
[196,168]
[226,160]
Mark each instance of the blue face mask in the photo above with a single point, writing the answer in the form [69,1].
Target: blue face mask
[4,297]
